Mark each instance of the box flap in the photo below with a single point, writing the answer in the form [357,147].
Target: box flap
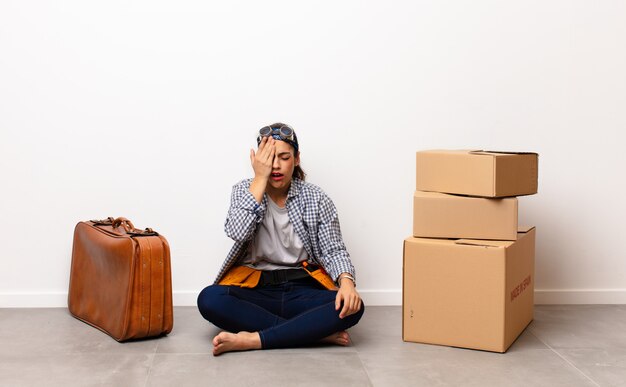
[483,243]
[494,243]
[488,152]
[450,151]
[524,229]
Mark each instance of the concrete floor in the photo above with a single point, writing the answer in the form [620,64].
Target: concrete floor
[564,346]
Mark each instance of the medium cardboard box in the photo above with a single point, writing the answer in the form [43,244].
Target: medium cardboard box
[468,293]
[439,215]
[477,173]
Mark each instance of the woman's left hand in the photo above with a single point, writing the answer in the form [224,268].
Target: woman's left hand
[350,297]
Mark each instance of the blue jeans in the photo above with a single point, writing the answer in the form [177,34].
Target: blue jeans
[292,314]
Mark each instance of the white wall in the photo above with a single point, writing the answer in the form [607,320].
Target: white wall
[148,110]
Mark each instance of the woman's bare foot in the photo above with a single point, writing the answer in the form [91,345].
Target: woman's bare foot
[242,341]
[339,338]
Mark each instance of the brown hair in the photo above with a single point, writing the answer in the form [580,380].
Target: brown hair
[298,172]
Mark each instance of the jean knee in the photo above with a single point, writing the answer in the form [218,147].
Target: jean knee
[360,313]
[209,300]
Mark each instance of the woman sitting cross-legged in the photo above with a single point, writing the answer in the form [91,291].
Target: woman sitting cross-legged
[288,281]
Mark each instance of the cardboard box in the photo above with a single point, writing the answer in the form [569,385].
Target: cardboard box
[439,215]
[477,173]
[468,293]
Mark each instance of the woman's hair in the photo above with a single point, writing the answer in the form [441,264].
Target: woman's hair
[297,171]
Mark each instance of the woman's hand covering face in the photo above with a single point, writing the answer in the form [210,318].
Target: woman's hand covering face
[263,159]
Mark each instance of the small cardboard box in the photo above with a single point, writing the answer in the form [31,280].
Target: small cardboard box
[439,215]
[468,293]
[477,173]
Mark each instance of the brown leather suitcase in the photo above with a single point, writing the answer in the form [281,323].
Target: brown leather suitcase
[120,280]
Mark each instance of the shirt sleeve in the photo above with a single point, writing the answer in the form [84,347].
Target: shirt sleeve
[335,257]
[244,213]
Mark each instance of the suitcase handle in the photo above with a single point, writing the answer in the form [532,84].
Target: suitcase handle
[130,228]
[127,224]
[104,222]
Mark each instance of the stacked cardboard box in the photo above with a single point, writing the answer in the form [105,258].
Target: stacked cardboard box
[468,272]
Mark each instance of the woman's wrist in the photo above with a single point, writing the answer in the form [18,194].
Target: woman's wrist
[257,188]
[346,277]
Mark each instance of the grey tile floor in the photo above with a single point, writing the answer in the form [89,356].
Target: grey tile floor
[563,346]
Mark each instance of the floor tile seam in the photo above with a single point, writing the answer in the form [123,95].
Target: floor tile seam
[572,365]
[156,347]
[90,352]
[367,374]
[181,353]
[150,366]
[562,357]
[574,348]
[538,338]
[446,350]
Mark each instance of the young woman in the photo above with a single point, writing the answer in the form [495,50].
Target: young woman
[288,281]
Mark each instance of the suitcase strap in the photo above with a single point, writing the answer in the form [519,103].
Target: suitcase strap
[152,286]
[128,226]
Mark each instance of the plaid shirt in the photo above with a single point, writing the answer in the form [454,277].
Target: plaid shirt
[312,214]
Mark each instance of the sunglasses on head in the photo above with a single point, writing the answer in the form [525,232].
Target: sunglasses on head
[285,132]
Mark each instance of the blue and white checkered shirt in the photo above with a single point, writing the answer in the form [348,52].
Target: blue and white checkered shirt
[312,214]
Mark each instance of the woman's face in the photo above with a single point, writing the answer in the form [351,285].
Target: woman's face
[283,166]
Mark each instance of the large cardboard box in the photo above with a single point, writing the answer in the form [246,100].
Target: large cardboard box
[477,173]
[468,293]
[439,215]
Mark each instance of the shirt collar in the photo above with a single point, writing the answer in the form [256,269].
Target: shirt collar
[294,189]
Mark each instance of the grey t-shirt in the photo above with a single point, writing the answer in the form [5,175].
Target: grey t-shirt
[276,245]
